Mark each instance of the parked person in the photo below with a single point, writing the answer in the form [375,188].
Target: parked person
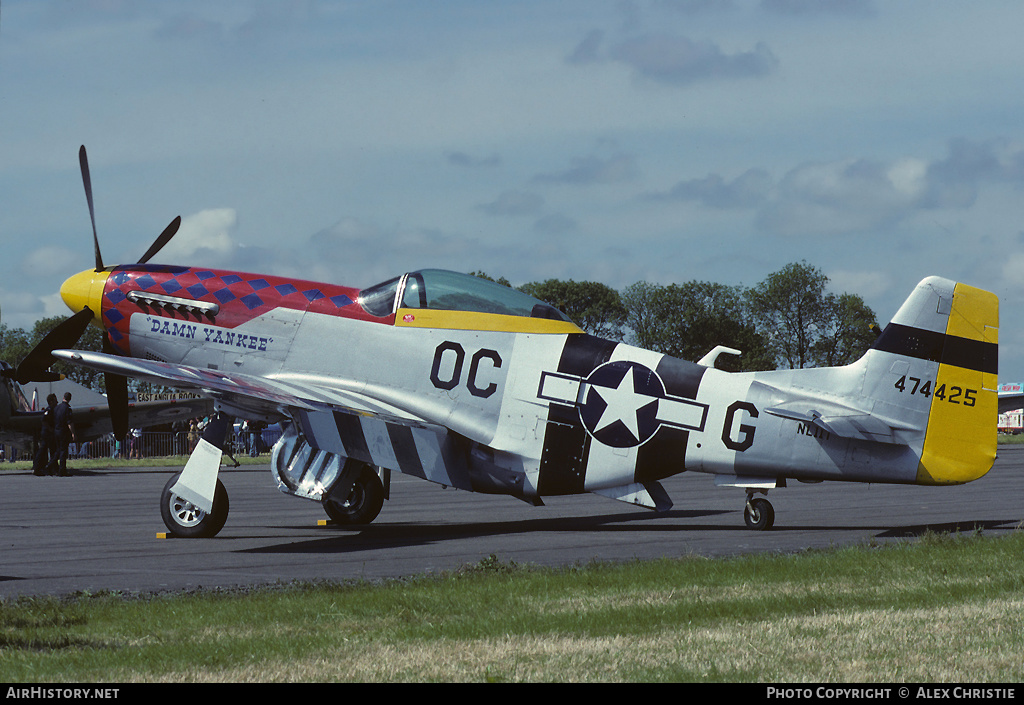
[47,439]
[135,443]
[64,433]
[193,434]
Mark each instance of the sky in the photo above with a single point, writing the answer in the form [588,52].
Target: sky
[596,140]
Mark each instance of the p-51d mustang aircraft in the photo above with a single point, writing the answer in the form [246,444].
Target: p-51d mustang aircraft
[477,386]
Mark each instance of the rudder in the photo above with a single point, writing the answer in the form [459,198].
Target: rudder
[960,444]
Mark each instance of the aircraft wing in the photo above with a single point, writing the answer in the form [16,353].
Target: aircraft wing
[260,391]
[345,423]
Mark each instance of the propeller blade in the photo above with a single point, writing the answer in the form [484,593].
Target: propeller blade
[117,395]
[87,182]
[117,403]
[35,367]
[164,238]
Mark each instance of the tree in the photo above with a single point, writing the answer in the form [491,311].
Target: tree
[595,307]
[848,334]
[15,344]
[803,325]
[687,321]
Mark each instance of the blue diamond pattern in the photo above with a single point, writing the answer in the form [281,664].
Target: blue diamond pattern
[252,301]
[313,295]
[197,290]
[224,295]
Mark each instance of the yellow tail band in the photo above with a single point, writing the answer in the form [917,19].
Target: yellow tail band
[960,442]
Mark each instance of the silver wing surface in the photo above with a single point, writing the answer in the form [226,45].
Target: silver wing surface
[332,419]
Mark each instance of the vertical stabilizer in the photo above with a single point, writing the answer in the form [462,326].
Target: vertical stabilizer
[954,327]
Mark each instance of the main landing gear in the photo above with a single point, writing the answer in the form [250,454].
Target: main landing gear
[362,503]
[759,514]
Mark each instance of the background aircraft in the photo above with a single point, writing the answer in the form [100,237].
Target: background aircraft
[20,424]
[477,386]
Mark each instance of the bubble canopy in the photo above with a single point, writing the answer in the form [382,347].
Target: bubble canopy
[442,290]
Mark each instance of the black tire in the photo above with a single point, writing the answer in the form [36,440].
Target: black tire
[185,520]
[363,503]
[759,514]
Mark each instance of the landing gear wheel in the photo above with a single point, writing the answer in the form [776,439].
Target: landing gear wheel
[363,503]
[759,514]
[186,520]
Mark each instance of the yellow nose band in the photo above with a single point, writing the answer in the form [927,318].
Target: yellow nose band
[85,289]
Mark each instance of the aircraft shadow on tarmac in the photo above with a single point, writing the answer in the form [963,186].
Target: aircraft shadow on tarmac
[396,535]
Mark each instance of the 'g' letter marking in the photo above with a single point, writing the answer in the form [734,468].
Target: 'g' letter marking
[456,374]
[746,438]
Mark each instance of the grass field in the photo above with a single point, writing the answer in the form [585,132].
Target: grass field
[941,609]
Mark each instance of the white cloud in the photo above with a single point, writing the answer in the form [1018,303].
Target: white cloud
[50,260]
[593,170]
[514,203]
[209,232]
[681,61]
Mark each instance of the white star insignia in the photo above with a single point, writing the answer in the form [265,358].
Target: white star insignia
[623,402]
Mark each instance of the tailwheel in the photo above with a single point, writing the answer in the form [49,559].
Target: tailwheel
[759,514]
[186,520]
[363,503]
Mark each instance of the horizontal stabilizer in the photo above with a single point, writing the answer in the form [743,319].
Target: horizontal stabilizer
[842,421]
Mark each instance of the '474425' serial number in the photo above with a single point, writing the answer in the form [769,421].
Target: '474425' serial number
[953,394]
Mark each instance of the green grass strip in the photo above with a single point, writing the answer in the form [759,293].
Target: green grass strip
[944,608]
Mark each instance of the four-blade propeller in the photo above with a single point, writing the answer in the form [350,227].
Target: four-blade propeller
[36,365]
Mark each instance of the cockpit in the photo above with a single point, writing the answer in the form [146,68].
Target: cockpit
[442,290]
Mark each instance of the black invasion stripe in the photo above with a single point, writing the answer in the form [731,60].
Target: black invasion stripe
[582,354]
[663,455]
[566,448]
[404,447]
[566,451]
[923,344]
[352,437]
[681,378]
